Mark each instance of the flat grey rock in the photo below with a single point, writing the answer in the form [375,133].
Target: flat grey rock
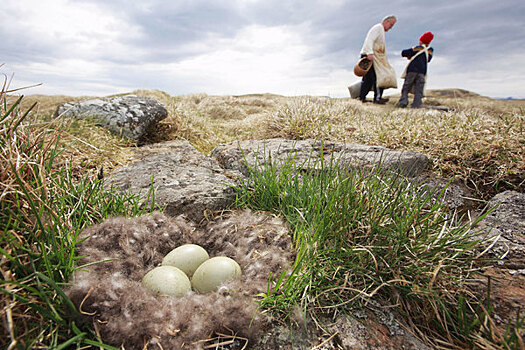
[503,234]
[506,223]
[129,116]
[240,155]
[185,180]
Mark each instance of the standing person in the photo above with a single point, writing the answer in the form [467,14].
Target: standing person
[416,71]
[374,48]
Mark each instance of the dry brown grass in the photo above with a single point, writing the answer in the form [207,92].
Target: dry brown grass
[206,121]
[47,104]
[87,147]
[481,141]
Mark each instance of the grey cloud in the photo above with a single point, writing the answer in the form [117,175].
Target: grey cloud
[466,30]
[470,33]
[170,28]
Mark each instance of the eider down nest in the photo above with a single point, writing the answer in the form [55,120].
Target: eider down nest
[117,253]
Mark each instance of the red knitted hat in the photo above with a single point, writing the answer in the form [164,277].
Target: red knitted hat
[426,38]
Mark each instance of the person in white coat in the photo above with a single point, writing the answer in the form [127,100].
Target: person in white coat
[374,48]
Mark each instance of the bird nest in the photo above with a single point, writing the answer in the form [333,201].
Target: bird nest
[118,252]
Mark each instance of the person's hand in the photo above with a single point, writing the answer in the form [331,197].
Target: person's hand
[370,57]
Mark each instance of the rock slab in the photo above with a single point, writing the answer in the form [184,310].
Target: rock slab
[242,155]
[506,222]
[185,181]
[504,229]
[188,182]
[129,116]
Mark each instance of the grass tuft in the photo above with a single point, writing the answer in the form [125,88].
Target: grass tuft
[366,237]
[44,205]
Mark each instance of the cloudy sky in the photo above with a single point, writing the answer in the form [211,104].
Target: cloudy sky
[231,47]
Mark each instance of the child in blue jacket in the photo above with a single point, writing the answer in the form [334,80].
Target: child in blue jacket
[416,70]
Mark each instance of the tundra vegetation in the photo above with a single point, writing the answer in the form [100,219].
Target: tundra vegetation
[393,245]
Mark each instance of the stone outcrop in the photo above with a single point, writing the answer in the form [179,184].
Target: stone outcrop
[367,330]
[506,223]
[504,233]
[240,155]
[185,181]
[188,182]
[452,194]
[129,116]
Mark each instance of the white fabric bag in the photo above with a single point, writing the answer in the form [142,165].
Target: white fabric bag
[385,73]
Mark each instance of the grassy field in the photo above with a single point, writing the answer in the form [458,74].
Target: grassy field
[480,142]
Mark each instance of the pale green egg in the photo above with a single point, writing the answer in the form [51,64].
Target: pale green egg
[167,280]
[214,272]
[187,257]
